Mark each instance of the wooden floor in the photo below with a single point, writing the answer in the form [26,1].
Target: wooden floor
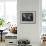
[2,43]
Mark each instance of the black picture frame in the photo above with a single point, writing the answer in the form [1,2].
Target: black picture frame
[28,17]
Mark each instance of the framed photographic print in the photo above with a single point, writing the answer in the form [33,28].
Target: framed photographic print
[28,17]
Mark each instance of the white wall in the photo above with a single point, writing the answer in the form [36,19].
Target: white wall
[29,31]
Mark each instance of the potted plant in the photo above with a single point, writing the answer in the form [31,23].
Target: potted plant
[1,22]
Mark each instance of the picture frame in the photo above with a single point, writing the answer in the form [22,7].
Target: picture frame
[28,17]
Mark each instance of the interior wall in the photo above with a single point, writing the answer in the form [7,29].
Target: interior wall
[29,31]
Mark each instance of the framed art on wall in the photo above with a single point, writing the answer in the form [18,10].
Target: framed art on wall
[28,17]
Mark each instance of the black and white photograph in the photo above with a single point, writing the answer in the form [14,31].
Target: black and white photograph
[28,17]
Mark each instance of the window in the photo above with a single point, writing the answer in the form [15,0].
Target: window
[1,9]
[44,16]
[44,10]
[8,10]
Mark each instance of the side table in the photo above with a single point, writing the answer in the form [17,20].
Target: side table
[1,34]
